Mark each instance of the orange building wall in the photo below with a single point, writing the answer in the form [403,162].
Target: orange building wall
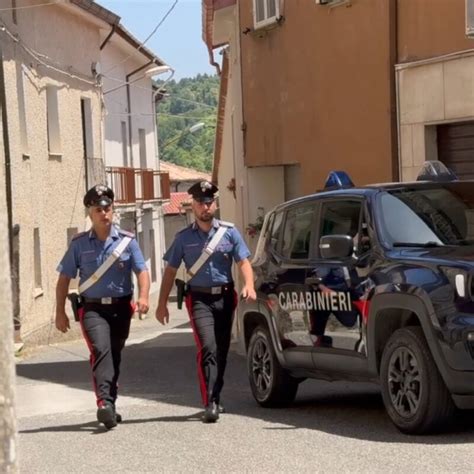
[319,90]
[430,28]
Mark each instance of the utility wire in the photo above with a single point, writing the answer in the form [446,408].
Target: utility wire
[38,56]
[144,42]
[31,6]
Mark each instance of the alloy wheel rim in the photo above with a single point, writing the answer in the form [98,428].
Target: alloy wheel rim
[404,382]
[261,366]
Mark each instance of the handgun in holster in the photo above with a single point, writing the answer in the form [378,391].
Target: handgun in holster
[181,292]
[76,305]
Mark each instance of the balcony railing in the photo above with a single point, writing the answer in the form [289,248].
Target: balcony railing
[132,185]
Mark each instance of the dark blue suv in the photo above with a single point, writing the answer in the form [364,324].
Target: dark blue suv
[369,283]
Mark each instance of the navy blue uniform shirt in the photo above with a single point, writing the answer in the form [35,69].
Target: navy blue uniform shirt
[189,244]
[87,253]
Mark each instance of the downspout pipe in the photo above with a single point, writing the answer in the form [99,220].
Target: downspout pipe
[112,31]
[6,145]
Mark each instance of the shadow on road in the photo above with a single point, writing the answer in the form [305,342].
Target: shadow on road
[164,370]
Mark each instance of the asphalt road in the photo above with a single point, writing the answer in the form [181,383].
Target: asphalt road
[331,427]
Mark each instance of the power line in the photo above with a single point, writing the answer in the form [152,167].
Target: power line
[31,6]
[38,56]
[149,36]
[170,97]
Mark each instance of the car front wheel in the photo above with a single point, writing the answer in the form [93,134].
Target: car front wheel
[414,393]
[270,383]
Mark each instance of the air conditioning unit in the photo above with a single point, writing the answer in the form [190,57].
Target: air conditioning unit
[470,18]
[322,2]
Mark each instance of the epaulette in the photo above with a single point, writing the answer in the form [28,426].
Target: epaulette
[226,224]
[80,234]
[126,232]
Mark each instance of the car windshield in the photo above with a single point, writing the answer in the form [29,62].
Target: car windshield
[439,215]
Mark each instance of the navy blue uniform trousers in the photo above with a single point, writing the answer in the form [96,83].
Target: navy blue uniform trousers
[105,328]
[211,318]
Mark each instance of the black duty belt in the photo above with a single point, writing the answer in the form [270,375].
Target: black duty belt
[107,299]
[212,290]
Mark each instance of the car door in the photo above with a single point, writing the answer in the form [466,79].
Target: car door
[291,241]
[336,317]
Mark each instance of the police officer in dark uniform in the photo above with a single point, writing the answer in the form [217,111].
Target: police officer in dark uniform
[211,298]
[107,300]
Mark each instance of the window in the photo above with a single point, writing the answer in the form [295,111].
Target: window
[87,136]
[275,232]
[52,108]
[297,233]
[265,12]
[14,15]
[124,144]
[340,218]
[470,18]
[20,77]
[37,257]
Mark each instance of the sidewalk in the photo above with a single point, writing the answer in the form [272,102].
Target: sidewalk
[39,396]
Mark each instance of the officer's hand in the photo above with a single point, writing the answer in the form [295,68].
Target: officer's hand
[142,305]
[248,293]
[62,321]
[162,314]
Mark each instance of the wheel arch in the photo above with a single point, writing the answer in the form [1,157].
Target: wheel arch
[390,312]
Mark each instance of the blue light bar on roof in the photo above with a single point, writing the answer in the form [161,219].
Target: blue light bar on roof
[436,171]
[338,180]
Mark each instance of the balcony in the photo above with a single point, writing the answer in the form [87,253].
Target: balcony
[137,185]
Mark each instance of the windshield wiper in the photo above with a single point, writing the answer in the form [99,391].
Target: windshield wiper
[428,244]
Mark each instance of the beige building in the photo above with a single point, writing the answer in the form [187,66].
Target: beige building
[58,133]
[54,110]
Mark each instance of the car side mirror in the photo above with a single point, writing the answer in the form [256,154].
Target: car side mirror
[336,246]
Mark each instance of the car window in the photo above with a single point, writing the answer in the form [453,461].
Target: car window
[340,218]
[275,230]
[297,233]
[442,215]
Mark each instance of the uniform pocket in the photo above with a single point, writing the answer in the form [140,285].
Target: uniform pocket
[88,259]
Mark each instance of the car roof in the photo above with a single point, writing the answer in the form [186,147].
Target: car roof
[371,189]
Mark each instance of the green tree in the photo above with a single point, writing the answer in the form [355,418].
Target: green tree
[187,102]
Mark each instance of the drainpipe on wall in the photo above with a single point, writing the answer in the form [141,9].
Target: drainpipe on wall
[6,145]
[13,231]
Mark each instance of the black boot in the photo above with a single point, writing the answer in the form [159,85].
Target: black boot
[211,413]
[106,415]
[118,416]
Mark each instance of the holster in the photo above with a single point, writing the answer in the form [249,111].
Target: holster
[181,292]
[76,305]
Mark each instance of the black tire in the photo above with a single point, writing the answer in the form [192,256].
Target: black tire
[271,385]
[413,391]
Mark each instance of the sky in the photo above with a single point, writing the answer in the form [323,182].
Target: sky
[178,41]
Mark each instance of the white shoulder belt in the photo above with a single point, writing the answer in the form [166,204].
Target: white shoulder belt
[97,275]
[209,250]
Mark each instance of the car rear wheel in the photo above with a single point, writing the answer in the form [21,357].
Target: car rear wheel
[271,385]
[413,391]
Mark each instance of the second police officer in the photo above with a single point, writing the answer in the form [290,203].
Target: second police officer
[211,298]
[105,257]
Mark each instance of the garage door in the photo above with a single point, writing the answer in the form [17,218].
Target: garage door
[456,148]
